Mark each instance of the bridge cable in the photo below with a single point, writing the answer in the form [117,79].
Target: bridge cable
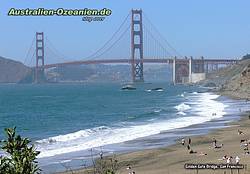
[56,51]
[114,42]
[29,50]
[157,42]
[112,37]
[162,36]
[32,58]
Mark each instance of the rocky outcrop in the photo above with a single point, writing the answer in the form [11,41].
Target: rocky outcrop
[239,85]
[233,81]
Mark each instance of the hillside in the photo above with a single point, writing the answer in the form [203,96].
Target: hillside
[12,71]
[15,72]
[233,81]
[104,73]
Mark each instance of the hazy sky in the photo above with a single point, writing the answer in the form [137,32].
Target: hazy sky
[212,28]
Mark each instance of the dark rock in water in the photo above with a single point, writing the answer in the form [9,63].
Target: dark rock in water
[210,84]
[128,87]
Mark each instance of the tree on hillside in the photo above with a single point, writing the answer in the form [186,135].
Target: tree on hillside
[247,56]
[21,155]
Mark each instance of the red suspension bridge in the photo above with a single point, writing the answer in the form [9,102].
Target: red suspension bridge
[135,43]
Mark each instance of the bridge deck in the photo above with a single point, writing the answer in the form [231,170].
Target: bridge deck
[129,61]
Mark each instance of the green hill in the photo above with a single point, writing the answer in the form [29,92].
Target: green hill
[12,71]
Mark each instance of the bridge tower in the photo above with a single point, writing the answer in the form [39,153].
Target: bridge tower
[137,46]
[39,70]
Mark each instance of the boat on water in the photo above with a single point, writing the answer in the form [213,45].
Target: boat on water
[157,89]
[128,87]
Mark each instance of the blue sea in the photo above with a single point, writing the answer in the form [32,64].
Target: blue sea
[69,122]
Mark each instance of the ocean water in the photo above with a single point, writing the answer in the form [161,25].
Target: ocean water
[65,121]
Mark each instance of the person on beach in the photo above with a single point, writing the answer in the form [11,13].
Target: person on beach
[215,146]
[188,146]
[229,160]
[224,157]
[183,141]
[214,142]
[237,160]
[101,155]
[242,141]
[192,151]
[218,146]
[246,147]
[130,168]
[240,132]
[189,141]
[202,154]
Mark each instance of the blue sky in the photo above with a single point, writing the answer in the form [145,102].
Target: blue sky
[212,28]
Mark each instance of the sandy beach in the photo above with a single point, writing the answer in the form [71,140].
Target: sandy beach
[171,160]
[232,81]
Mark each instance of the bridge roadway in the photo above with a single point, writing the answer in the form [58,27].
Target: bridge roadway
[147,60]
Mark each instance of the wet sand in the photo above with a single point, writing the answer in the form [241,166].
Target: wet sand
[171,160]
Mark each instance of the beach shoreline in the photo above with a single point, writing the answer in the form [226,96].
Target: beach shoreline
[174,157]
[232,82]
[171,159]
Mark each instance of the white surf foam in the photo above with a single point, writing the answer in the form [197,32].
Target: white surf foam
[112,136]
[200,110]
[157,110]
[181,113]
[182,107]
[206,106]
[72,136]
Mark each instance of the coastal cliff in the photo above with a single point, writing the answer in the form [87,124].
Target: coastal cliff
[232,81]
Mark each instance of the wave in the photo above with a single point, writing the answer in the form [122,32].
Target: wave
[200,111]
[72,136]
[182,107]
[181,113]
[145,115]
[111,136]
[207,106]
[157,110]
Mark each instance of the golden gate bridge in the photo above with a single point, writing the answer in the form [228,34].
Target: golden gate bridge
[136,42]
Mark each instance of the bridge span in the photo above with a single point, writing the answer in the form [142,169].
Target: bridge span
[130,61]
[183,68]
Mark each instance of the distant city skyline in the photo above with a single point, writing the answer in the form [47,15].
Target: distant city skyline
[194,28]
